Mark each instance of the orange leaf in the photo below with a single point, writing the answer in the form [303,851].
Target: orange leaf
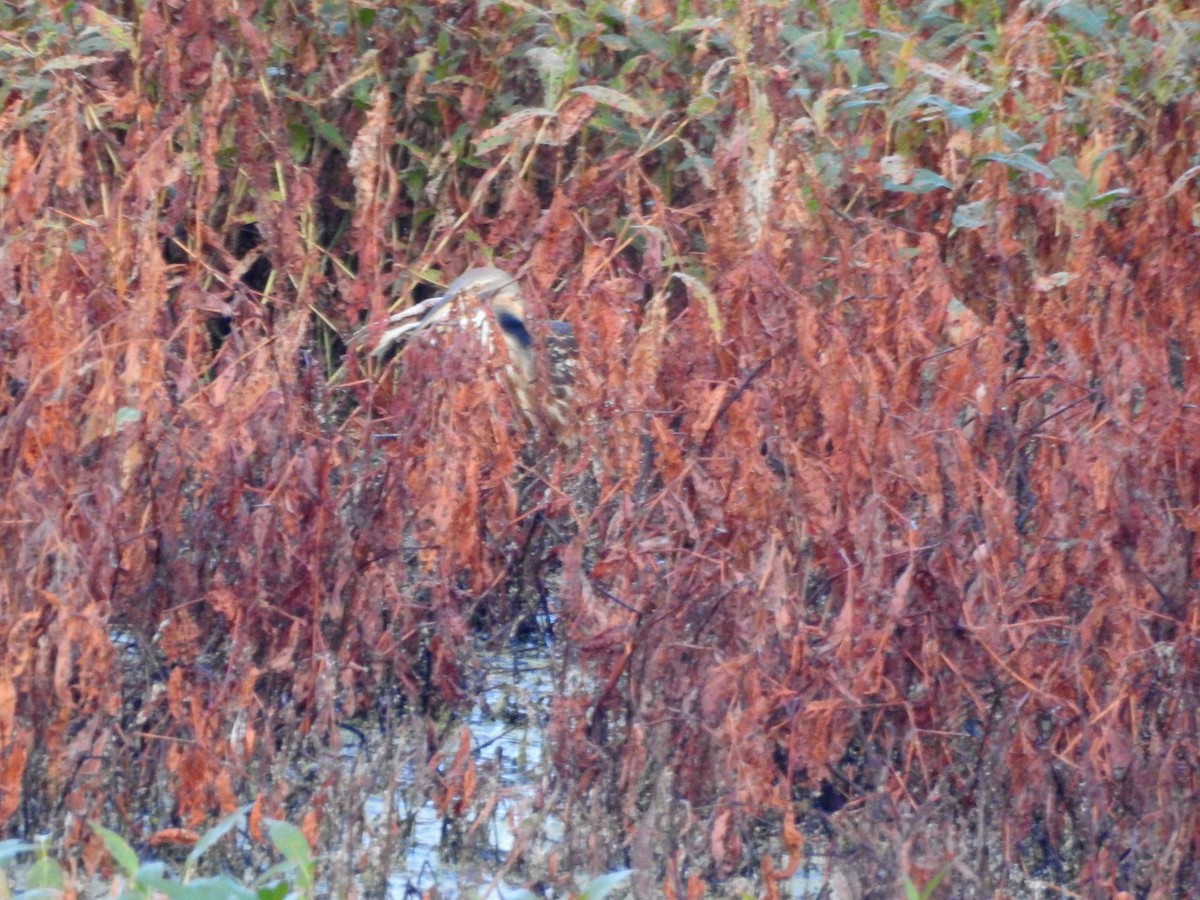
[182,836]
[12,768]
[256,819]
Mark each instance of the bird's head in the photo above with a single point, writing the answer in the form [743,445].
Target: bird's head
[467,294]
[483,301]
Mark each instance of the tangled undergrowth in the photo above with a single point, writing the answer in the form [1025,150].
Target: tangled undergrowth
[878,512]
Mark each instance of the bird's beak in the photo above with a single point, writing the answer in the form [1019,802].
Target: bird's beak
[485,282]
[412,321]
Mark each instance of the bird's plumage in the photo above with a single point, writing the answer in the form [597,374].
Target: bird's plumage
[488,302]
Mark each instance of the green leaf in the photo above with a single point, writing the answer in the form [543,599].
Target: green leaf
[923,181]
[301,140]
[598,888]
[294,846]
[118,31]
[215,833]
[1181,182]
[710,23]
[1082,18]
[13,848]
[46,874]
[934,882]
[1022,162]
[124,855]
[1108,198]
[221,887]
[504,131]
[701,105]
[150,871]
[963,117]
[852,60]
[908,104]
[850,105]
[127,415]
[822,109]
[72,62]
[973,215]
[552,65]
[615,99]
[325,130]
[289,840]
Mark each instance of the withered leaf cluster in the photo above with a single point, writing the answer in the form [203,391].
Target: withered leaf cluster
[879,504]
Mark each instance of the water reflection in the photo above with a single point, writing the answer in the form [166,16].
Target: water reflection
[507,725]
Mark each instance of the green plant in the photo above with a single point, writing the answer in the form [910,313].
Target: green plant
[44,877]
[292,877]
[912,892]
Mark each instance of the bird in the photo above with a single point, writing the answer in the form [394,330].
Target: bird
[539,358]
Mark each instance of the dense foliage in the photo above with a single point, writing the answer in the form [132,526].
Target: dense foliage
[882,498]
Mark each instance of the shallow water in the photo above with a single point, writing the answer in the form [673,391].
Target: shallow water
[507,728]
[507,732]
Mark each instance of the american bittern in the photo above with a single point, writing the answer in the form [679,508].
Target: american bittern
[539,358]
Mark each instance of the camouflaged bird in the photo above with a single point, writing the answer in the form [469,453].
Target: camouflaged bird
[487,302]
